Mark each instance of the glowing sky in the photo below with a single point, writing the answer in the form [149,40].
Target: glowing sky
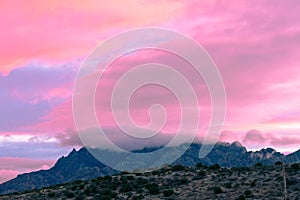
[255,44]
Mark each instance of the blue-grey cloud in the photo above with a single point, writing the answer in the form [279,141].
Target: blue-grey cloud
[23,94]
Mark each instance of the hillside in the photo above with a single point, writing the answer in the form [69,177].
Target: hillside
[81,165]
[78,165]
[179,182]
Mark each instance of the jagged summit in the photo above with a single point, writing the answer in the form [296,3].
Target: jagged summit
[81,165]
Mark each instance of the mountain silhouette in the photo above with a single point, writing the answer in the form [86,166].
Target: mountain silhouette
[81,165]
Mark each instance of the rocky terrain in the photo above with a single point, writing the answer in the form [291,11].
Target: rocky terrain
[81,165]
[180,182]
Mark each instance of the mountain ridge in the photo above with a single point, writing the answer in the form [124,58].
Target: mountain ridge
[81,165]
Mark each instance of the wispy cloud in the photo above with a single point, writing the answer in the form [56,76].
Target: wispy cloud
[255,46]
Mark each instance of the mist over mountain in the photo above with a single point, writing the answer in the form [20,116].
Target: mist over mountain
[81,165]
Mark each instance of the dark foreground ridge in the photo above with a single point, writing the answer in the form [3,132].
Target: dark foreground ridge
[180,182]
[81,165]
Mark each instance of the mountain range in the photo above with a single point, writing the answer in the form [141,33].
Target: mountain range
[81,165]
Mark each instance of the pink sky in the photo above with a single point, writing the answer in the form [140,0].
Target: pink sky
[254,44]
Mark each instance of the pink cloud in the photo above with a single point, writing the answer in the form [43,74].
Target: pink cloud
[254,45]
[60,31]
[254,138]
[58,120]
[69,138]
[6,175]
[24,164]
[282,141]
[10,167]
[230,136]
[252,96]
[61,119]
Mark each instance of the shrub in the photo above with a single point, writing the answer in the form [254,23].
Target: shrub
[139,190]
[202,173]
[79,197]
[108,178]
[93,189]
[51,194]
[155,172]
[135,197]
[248,193]
[183,181]
[81,187]
[168,192]
[278,163]
[279,178]
[178,168]
[103,197]
[138,197]
[87,191]
[259,164]
[154,190]
[291,182]
[199,165]
[214,167]
[253,183]
[106,192]
[228,185]
[114,186]
[130,177]
[129,194]
[142,181]
[113,195]
[126,188]
[197,177]
[236,185]
[151,185]
[217,190]
[241,197]
[295,166]
[69,194]
[74,187]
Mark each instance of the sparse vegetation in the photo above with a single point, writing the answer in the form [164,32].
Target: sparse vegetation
[171,182]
